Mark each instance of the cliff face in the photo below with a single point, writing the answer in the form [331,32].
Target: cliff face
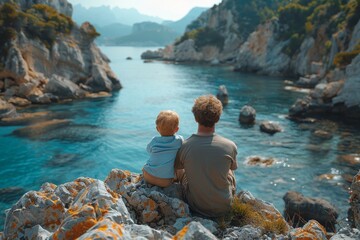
[314,40]
[69,65]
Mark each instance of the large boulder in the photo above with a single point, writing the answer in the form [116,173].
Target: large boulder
[354,211]
[63,88]
[247,115]
[299,208]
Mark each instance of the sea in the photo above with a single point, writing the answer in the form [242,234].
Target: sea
[112,132]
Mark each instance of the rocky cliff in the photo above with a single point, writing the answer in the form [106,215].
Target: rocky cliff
[45,57]
[124,207]
[314,40]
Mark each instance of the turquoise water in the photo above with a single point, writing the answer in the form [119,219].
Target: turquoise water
[113,132]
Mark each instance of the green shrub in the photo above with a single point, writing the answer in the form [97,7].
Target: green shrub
[203,37]
[295,42]
[342,59]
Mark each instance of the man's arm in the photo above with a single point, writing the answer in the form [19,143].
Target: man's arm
[234,165]
[179,164]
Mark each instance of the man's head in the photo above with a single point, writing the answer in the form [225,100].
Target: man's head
[167,123]
[207,110]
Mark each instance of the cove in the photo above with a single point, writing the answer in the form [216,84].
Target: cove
[107,133]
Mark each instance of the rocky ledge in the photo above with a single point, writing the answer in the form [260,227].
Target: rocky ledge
[40,71]
[124,207]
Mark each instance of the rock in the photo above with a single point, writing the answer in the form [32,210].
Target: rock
[7,110]
[215,61]
[146,232]
[129,58]
[247,232]
[34,208]
[268,214]
[311,231]
[259,161]
[16,65]
[300,107]
[98,95]
[104,229]
[270,127]
[317,68]
[223,95]
[26,89]
[350,159]
[354,211]
[194,230]
[43,98]
[310,82]
[299,208]
[36,233]
[157,54]
[63,88]
[95,203]
[247,115]
[346,234]
[207,223]
[150,205]
[19,102]
[322,134]
[67,192]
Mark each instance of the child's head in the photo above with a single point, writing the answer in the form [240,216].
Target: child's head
[167,123]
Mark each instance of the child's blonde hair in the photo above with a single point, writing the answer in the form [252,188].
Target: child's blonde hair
[167,122]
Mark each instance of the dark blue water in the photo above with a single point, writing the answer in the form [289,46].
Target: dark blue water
[113,132]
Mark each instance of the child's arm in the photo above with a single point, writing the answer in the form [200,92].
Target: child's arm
[150,145]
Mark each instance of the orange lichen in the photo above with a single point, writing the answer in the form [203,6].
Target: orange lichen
[118,228]
[180,235]
[80,228]
[150,204]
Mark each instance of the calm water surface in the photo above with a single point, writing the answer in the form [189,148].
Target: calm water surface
[113,132]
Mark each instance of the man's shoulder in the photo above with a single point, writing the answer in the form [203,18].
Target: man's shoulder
[224,140]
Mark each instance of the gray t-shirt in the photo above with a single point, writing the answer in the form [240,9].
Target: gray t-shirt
[208,161]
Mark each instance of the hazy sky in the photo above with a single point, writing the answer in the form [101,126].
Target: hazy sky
[166,9]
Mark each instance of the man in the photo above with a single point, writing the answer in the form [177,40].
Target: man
[208,160]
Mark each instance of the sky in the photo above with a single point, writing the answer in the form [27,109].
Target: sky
[165,9]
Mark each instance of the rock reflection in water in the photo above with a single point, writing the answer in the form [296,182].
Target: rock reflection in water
[62,130]
[11,194]
[63,159]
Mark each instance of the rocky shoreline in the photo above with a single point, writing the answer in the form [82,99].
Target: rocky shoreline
[125,207]
[36,71]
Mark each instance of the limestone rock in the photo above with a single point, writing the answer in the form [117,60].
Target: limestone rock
[16,65]
[270,127]
[299,207]
[91,205]
[246,233]
[247,115]
[346,234]
[207,223]
[223,95]
[146,232]
[309,82]
[157,54]
[105,229]
[311,231]
[63,88]
[36,233]
[354,212]
[195,230]
[19,102]
[67,192]
[323,134]
[303,60]
[261,53]
[121,181]
[34,208]
[7,110]
[36,130]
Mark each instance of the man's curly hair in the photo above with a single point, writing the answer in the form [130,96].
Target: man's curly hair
[207,110]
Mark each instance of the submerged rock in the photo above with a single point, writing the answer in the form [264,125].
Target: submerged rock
[247,115]
[299,208]
[270,127]
[260,161]
[11,194]
[7,110]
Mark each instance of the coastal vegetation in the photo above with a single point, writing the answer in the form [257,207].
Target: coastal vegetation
[203,37]
[38,22]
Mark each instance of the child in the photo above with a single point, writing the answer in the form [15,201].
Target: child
[159,169]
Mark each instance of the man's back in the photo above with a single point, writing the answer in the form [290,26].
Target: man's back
[207,161]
